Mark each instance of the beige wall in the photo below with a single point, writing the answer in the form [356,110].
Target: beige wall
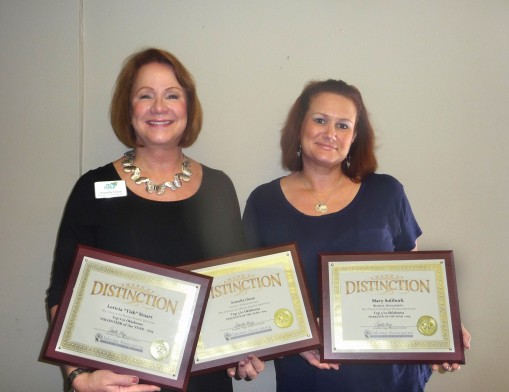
[434,75]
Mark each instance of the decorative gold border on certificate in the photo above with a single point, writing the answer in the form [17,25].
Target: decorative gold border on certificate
[303,331]
[148,320]
[172,365]
[436,266]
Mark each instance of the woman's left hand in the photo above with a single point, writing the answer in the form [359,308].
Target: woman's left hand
[247,369]
[447,367]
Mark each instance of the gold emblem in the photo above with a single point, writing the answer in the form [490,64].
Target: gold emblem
[160,349]
[283,318]
[427,325]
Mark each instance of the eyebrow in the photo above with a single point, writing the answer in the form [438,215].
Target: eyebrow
[166,89]
[152,89]
[327,115]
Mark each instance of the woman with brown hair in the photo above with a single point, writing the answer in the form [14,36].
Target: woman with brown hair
[333,201]
[169,208]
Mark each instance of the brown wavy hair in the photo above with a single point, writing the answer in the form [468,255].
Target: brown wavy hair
[120,106]
[362,152]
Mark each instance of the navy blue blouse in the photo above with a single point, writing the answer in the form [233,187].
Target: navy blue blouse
[379,219]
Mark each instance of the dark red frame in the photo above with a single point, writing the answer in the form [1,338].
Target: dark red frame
[273,352]
[454,356]
[180,383]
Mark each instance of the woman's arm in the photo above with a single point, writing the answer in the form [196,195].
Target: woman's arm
[104,380]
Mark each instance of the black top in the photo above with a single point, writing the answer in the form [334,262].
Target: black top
[206,225]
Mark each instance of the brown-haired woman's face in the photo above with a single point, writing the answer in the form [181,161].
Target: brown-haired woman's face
[159,106]
[328,130]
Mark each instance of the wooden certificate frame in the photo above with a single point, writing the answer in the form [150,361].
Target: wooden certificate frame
[258,304]
[129,316]
[390,308]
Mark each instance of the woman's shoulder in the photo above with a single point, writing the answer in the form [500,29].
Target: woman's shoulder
[382,187]
[102,173]
[213,173]
[215,177]
[216,183]
[266,190]
[382,181]
[268,186]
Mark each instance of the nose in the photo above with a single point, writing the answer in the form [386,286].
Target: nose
[159,105]
[330,132]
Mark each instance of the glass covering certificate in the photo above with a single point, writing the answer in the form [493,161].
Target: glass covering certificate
[390,307]
[129,316]
[258,304]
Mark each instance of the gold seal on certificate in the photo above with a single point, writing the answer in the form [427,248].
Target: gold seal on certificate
[427,325]
[129,316]
[258,304]
[283,318]
[390,307]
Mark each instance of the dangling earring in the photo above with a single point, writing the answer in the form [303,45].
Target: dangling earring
[348,161]
[299,151]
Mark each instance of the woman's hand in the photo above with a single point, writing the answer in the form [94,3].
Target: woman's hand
[313,358]
[447,367]
[247,369]
[106,381]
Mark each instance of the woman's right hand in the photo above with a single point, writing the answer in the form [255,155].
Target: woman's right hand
[313,358]
[107,381]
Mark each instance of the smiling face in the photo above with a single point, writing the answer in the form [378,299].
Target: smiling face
[159,106]
[327,130]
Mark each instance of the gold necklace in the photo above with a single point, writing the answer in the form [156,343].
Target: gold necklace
[322,207]
[150,186]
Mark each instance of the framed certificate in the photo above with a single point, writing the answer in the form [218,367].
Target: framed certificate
[129,316]
[258,304]
[390,308]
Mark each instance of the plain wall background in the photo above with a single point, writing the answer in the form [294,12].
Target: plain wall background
[434,76]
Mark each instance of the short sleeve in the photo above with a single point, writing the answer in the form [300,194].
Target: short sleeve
[405,239]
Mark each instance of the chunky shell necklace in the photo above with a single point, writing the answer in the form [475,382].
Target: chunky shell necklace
[150,186]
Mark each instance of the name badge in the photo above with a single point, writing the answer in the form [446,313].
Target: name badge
[107,189]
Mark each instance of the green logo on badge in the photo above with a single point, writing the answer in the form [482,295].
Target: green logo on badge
[111,185]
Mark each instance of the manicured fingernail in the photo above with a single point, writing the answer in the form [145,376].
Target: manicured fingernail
[135,380]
